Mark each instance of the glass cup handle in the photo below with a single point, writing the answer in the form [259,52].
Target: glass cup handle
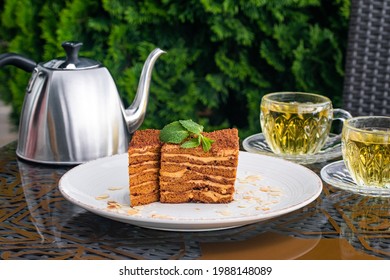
[342,115]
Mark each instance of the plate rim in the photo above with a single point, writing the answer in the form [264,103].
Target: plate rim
[188,225]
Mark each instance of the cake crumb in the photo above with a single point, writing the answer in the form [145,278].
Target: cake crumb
[249,179]
[265,188]
[115,188]
[224,212]
[132,211]
[159,216]
[101,197]
[111,205]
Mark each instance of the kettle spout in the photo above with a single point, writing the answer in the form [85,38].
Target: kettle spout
[17,60]
[135,114]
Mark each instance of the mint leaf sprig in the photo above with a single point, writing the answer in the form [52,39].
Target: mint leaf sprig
[178,132]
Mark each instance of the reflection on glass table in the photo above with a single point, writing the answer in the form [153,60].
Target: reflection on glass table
[37,222]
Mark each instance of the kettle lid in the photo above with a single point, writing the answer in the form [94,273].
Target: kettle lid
[72,60]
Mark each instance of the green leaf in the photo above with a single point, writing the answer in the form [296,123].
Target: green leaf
[192,143]
[178,131]
[192,126]
[206,143]
[206,146]
[174,133]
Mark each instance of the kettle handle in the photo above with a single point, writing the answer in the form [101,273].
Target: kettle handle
[17,60]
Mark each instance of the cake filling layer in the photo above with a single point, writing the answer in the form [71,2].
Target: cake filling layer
[198,152]
[145,188]
[164,184]
[196,184]
[142,159]
[138,178]
[202,168]
[178,158]
[185,175]
[137,168]
[194,196]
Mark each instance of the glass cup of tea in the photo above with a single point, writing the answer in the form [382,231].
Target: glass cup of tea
[297,124]
[366,150]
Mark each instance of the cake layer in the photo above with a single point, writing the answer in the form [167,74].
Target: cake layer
[145,176]
[198,151]
[197,184]
[136,200]
[142,140]
[184,157]
[145,151]
[202,168]
[142,158]
[144,166]
[195,196]
[145,188]
[185,175]
[141,167]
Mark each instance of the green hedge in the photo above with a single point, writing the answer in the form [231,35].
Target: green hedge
[223,55]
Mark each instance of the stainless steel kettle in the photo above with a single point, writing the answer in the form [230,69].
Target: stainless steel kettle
[72,112]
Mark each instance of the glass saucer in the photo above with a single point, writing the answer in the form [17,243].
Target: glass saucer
[331,150]
[337,174]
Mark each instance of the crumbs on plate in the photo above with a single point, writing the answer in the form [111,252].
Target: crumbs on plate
[115,188]
[261,197]
[251,198]
[102,197]
[111,205]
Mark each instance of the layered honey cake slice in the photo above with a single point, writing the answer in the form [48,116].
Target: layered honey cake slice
[144,165]
[194,175]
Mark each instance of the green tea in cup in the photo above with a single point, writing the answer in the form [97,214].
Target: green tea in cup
[366,150]
[297,123]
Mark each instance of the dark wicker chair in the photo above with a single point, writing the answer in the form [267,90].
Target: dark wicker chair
[367,73]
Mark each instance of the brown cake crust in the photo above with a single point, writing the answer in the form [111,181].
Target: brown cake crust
[145,138]
[144,165]
[225,140]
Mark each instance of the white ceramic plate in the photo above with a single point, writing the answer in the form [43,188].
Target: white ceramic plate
[266,187]
[332,149]
[337,174]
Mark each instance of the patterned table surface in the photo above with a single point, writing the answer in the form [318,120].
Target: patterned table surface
[36,222]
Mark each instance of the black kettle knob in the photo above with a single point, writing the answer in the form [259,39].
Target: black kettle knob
[72,52]
[72,61]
